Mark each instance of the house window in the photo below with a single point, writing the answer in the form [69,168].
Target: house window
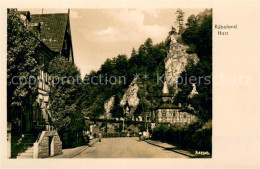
[46,78]
[164,113]
[42,79]
[65,45]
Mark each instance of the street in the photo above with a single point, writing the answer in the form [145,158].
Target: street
[126,148]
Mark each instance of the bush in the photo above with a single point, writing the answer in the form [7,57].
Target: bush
[194,136]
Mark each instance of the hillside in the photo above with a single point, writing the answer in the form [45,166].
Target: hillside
[188,54]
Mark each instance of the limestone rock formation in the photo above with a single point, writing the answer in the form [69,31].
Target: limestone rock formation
[130,97]
[176,61]
[193,92]
[108,106]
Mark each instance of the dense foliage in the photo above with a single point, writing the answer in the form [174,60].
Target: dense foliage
[148,59]
[198,35]
[117,110]
[21,64]
[195,136]
[65,94]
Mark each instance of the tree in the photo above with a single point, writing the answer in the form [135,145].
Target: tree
[173,31]
[21,64]
[97,108]
[179,20]
[148,43]
[148,59]
[65,93]
[117,110]
[198,35]
[192,21]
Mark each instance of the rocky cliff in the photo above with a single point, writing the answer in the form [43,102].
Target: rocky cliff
[108,106]
[176,61]
[130,97]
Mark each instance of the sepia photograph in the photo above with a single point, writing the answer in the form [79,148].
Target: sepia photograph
[109,83]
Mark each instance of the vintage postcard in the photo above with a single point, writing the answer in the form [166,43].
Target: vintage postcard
[130,84]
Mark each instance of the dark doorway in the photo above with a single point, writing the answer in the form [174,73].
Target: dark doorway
[50,140]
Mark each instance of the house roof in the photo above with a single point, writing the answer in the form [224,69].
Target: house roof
[52,29]
[23,12]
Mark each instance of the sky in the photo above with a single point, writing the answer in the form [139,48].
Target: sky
[98,34]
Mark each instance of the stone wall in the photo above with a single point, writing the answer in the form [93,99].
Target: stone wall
[49,144]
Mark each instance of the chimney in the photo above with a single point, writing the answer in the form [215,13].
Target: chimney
[39,30]
[28,16]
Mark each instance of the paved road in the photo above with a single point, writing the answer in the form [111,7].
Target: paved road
[126,148]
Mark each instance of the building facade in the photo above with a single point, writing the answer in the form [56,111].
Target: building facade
[169,113]
[54,34]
